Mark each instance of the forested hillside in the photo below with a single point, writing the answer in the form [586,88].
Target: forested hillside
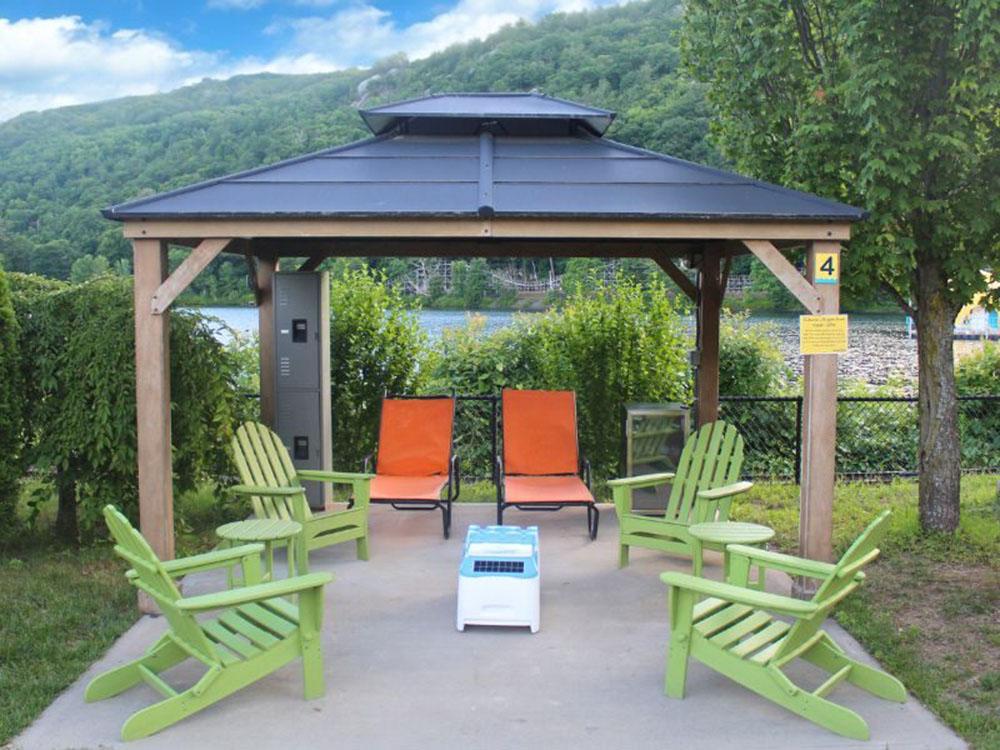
[59,167]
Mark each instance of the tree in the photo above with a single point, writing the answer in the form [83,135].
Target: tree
[892,106]
[88,267]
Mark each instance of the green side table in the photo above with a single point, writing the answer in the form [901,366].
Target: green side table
[270,532]
[718,535]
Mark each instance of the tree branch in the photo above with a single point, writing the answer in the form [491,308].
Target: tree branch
[899,298]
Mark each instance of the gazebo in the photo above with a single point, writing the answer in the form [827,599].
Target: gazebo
[485,175]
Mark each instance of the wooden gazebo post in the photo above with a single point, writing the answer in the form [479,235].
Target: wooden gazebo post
[152,391]
[819,430]
[709,310]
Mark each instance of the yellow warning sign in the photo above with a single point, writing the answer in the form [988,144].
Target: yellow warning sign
[822,334]
[827,268]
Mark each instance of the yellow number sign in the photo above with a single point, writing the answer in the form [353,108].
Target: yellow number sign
[822,334]
[827,269]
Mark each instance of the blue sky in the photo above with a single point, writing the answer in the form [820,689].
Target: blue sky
[58,52]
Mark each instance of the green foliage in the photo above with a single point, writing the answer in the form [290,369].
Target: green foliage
[80,344]
[11,407]
[243,351]
[88,267]
[876,436]
[750,363]
[979,372]
[375,348]
[767,293]
[893,106]
[61,166]
[890,106]
[580,272]
[612,344]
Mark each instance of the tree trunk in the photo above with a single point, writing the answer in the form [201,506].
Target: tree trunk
[67,529]
[939,450]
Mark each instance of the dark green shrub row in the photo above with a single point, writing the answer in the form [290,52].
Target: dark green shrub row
[11,404]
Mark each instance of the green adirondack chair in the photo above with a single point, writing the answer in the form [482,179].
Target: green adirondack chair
[733,632]
[702,489]
[274,487]
[257,632]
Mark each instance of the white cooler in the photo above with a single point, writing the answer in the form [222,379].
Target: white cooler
[498,581]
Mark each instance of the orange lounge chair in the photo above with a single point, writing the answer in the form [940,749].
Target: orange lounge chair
[415,457]
[541,467]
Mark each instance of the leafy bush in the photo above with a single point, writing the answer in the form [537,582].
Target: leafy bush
[11,406]
[979,421]
[467,363]
[611,343]
[80,343]
[375,348]
[979,373]
[750,363]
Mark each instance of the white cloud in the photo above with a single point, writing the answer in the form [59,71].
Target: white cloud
[361,33]
[52,62]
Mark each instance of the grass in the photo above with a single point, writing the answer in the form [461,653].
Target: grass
[62,610]
[930,608]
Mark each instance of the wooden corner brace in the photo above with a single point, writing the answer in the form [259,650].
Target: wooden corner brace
[786,273]
[185,273]
[677,276]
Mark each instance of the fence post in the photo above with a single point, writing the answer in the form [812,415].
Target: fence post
[493,436]
[798,440]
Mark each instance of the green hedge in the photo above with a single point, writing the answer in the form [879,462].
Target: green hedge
[376,345]
[78,344]
[11,406]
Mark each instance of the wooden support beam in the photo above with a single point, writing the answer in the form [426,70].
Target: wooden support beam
[458,247]
[677,276]
[509,227]
[708,311]
[267,266]
[819,435]
[152,392]
[311,263]
[786,273]
[185,273]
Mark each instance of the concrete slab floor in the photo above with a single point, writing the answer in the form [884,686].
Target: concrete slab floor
[399,675]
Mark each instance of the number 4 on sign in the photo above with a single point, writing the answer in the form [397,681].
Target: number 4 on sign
[827,268]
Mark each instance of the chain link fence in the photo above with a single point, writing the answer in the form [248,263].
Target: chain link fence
[476,436]
[877,436]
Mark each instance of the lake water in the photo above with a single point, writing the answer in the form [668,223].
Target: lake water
[879,346]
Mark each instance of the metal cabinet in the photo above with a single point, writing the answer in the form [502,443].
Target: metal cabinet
[302,374]
[654,436]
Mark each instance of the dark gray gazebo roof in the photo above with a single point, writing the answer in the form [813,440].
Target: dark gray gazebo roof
[514,155]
